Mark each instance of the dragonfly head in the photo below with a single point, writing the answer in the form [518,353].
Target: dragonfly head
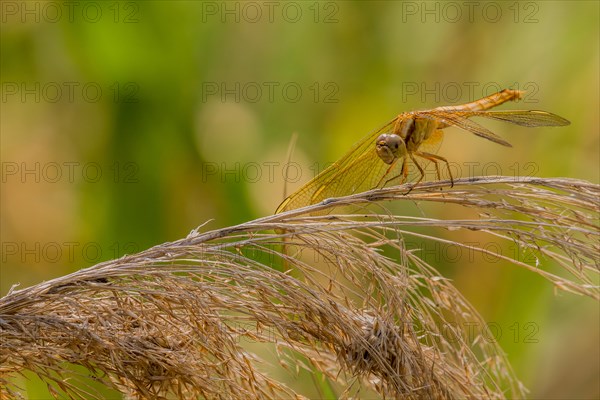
[390,147]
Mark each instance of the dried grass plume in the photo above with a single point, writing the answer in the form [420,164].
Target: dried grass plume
[349,299]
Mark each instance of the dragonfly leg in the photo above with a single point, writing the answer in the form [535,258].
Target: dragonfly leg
[420,171]
[381,182]
[435,158]
[404,170]
[403,174]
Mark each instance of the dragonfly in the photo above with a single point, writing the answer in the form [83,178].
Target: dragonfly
[383,157]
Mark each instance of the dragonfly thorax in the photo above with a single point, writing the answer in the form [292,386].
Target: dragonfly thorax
[390,147]
[421,130]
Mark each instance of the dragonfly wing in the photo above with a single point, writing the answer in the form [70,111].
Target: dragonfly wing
[432,143]
[358,170]
[529,118]
[460,120]
[368,172]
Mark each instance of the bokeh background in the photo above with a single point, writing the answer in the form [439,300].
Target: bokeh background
[128,124]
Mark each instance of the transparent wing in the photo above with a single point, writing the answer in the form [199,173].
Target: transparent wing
[359,170]
[433,143]
[527,118]
[460,120]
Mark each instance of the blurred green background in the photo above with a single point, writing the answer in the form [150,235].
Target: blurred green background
[128,124]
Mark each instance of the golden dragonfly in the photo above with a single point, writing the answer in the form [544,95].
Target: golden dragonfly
[382,157]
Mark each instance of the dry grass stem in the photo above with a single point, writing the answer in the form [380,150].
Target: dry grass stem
[352,300]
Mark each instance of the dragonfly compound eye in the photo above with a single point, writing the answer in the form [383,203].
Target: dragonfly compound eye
[389,147]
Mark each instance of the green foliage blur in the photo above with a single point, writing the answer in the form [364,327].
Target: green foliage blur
[128,124]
